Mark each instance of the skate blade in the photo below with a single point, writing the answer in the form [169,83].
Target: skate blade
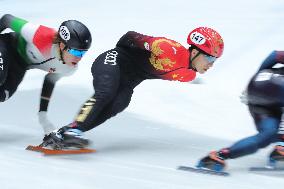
[203,170]
[47,151]
[266,168]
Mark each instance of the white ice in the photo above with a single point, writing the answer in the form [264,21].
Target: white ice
[167,123]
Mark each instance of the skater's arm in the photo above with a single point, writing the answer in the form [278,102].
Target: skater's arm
[274,58]
[12,22]
[47,89]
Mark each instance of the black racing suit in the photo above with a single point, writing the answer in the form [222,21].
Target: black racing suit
[12,66]
[114,78]
[118,71]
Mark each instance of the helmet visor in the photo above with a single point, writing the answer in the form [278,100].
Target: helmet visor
[76,52]
[210,59]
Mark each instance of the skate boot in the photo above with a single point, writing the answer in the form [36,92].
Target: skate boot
[53,140]
[73,137]
[214,161]
[65,137]
[277,154]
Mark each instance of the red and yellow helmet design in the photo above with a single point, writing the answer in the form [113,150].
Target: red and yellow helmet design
[207,40]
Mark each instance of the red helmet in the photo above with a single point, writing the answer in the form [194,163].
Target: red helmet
[207,40]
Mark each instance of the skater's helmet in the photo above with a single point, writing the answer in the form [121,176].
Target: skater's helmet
[75,35]
[207,40]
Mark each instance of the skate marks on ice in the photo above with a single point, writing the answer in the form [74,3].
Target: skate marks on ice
[267,169]
[275,170]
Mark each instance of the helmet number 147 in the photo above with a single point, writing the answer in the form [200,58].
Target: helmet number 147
[197,38]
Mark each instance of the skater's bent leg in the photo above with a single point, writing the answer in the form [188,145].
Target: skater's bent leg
[267,127]
[117,105]
[106,81]
[4,61]
[14,78]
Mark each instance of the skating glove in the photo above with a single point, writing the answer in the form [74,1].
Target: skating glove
[244,97]
[47,126]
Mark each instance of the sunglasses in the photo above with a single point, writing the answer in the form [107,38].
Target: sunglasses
[210,59]
[76,52]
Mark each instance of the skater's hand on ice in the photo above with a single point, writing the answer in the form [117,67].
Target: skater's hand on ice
[244,97]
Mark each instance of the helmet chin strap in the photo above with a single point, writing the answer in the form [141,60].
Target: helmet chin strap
[61,53]
[191,60]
